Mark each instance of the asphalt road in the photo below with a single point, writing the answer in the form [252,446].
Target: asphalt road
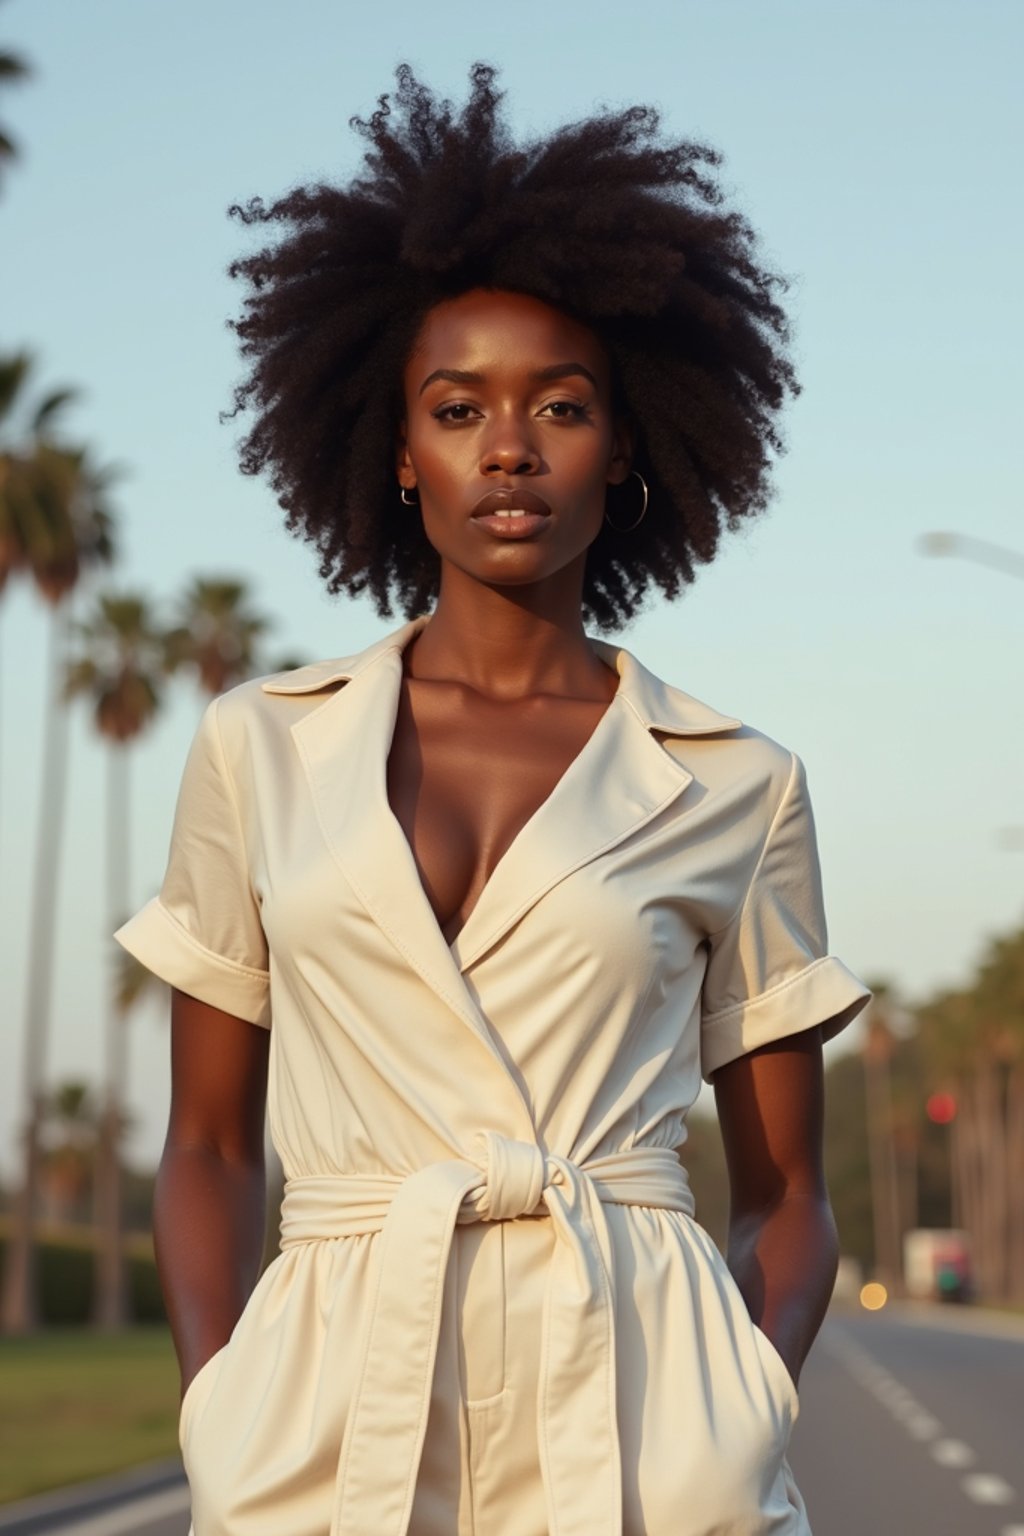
[911,1424]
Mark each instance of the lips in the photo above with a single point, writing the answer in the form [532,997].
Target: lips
[507,500]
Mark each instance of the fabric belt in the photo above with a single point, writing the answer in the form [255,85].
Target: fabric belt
[416,1217]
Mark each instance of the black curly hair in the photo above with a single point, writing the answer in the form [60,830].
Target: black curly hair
[600,219]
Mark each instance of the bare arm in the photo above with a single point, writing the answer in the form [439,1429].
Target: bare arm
[782,1248]
[209,1207]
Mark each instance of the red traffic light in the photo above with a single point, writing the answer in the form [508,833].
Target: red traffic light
[940,1108]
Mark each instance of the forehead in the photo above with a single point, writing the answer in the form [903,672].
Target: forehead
[490,329]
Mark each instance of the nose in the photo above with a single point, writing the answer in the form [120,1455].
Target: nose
[509,450]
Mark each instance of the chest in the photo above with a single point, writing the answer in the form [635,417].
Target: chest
[465,776]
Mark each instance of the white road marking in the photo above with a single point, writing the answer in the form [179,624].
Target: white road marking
[923,1427]
[982,1487]
[128,1519]
[1012,1530]
[953,1453]
[987,1488]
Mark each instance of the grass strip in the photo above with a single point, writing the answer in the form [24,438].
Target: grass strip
[76,1404]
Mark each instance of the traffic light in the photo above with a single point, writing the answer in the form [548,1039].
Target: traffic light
[940,1108]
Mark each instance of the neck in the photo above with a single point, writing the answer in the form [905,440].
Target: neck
[497,643]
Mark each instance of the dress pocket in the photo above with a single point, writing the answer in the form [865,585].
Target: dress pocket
[777,1371]
[481,1296]
[193,1391]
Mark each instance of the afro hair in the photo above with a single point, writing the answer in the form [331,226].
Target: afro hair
[603,219]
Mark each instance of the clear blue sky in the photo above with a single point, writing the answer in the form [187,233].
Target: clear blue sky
[875,146]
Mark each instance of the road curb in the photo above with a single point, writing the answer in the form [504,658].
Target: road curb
[29,1517]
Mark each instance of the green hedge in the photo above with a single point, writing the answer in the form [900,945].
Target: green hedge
[66,1281]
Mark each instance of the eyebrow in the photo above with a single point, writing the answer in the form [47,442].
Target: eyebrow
[540,375]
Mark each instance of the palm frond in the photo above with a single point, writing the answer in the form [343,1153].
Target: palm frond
[118,665]
[134,982]
[217,633]
[14,371]
[50,407]
[13,68]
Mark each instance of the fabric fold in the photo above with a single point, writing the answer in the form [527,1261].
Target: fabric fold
[416,1218]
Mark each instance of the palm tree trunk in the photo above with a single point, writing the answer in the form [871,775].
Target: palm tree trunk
[988,1136]
[1015,1174]
[885,1201]
[111,1294]
[908,1184]
[19,1306]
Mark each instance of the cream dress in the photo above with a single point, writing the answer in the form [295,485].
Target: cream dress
[493,1312]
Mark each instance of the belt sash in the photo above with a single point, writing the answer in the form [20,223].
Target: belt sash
[416,1217]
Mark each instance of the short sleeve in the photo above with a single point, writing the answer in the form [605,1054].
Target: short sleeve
[202,933]
[769,973]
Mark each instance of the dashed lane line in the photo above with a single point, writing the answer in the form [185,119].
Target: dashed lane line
[985,1488]
[953,1453]
[924,1427]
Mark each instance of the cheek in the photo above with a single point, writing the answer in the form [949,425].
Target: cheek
[440,460]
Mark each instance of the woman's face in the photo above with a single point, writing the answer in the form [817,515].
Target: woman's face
[508,408]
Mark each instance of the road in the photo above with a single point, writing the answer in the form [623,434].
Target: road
[911,1424]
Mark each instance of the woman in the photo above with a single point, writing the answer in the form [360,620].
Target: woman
[496,894]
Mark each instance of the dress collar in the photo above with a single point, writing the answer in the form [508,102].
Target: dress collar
[657,704]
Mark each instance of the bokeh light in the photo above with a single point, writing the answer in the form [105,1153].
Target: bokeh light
[940,1108]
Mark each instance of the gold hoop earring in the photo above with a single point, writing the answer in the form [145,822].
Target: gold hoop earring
[643,509]
[407,503]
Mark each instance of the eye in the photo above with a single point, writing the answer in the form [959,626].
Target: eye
[566,410]
[442,411]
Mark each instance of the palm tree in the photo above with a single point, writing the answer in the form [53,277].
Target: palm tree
[217,637]
[120,670]
[52,518]
[217,633]
[134,982]
[973,1045]
[71,1123]
[54,527]
[877,1048]
[12,70]
[37,474]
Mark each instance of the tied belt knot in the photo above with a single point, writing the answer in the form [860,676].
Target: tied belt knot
[502,1180]
[514,1176]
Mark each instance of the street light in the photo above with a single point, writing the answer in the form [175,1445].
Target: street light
[996,556]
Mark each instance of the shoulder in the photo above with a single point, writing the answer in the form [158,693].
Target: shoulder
[286,696]
[266,707]
[746,773]
[720,749]
[714,746]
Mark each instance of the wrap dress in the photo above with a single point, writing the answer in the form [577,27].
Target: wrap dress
[493,1311]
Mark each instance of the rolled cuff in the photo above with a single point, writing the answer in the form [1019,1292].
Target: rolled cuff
[824,992]
[160,943]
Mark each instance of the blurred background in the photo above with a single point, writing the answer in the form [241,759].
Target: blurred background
[872,622]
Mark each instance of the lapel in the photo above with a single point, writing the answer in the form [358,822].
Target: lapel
[622,779]
[619,782]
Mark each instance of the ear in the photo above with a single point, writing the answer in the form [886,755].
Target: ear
[623,446]
[403,464]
